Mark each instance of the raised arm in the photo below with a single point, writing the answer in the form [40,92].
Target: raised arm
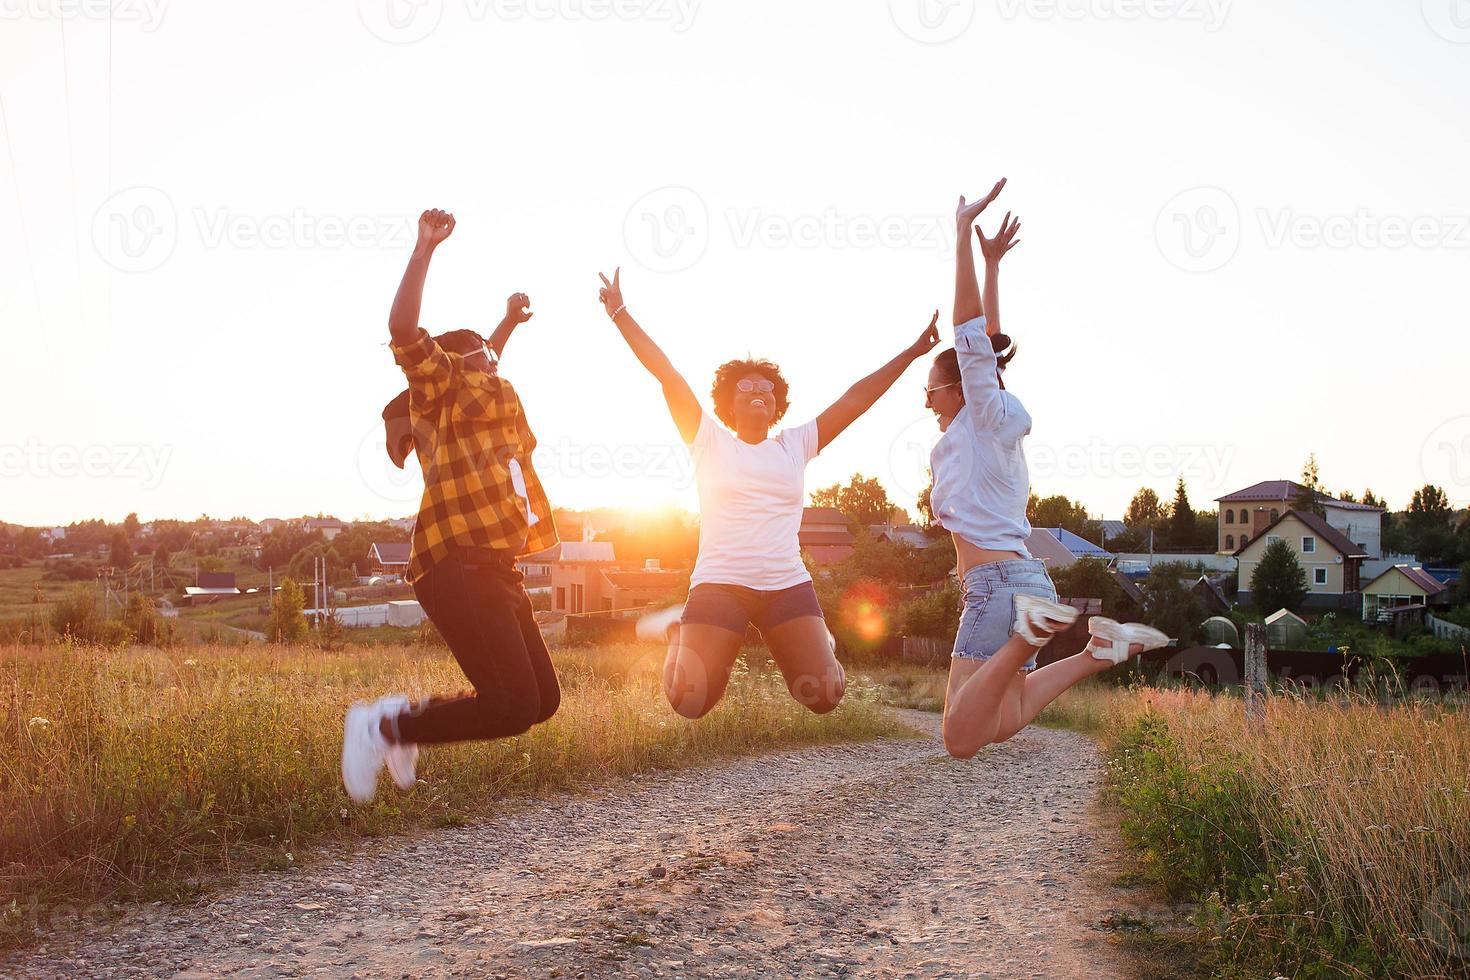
[683,406]
[994,249]
[861,396]
[517,312]
[967,302]
[403,320]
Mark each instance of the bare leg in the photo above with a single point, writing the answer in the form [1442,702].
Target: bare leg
[802,648]
[697,669]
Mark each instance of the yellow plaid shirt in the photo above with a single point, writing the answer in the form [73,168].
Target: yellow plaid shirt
[468,426]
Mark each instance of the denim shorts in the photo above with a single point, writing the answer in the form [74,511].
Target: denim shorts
[989,616]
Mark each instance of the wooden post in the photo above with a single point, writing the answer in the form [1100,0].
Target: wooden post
[1255,672]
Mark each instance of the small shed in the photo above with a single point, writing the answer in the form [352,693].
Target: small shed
[405,612]
[1285,630]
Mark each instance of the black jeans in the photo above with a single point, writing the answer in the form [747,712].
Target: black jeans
[476,600]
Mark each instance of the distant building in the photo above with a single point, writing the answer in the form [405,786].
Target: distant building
[1332,562]
[388,558]
[1244,514]
[825,535]
[329,527]
[211,586]
[1079,546]
[909,534]
[1399,586]
[270,524]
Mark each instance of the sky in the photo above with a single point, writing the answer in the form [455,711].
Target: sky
[1246,235]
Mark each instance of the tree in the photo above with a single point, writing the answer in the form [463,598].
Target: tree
[120,551]
[1063,512]
[925,504]
[1309,500]
[1143,510]
[131,524]
[1090,578]
[1372,499]
[1170,606]
[1181,522]
[1427,529]
[287,623]
[863,501]
[1279,581]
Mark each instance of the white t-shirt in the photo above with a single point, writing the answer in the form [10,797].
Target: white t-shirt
[750,503]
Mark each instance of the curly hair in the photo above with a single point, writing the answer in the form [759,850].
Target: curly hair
[729,373]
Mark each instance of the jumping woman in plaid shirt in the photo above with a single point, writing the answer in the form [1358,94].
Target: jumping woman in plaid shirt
[482,508]
[749,569]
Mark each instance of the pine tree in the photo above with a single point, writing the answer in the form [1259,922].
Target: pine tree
[1182,522]
[1279,581]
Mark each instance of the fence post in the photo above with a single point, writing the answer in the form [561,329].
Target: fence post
[1255,672]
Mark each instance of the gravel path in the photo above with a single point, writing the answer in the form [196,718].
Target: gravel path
[883,859]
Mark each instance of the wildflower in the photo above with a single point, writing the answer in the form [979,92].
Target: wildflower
[344,813]
[39,723]
[130,821]
[191,662]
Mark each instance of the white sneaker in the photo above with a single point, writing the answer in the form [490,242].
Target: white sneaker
[363,752]
[1122,636]
[655,626]
[401,757]
[1038,620]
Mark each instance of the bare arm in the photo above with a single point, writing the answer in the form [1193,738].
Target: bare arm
[861,396]
[683,406]
[967,301]
[517,312]
[994,249]
[403,320]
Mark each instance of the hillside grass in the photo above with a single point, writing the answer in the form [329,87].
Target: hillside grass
[143,773]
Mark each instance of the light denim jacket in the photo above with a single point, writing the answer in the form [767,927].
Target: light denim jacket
[981,485]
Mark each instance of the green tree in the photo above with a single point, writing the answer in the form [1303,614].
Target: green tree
[1060,511]
[120,551]
[131,524]
[925,504]
[1309,500]
[863,501]
[1144,510]
[1182,530]
[1279,581]
[287,623]
[1169,605]
[1090,578]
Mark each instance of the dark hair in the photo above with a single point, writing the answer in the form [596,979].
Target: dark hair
[396,419]
[729,373]
[949,362]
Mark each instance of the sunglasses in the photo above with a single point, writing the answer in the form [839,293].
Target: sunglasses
[748,386]
[928,391]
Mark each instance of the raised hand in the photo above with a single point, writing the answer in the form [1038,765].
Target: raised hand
[966,214]
[611,293]
[1005,239]
[928,340]
[517,309]
[435,226]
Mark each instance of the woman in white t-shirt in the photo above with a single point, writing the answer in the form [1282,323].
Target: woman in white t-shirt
[751,493]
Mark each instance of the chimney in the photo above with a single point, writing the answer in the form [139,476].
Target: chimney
[589,533]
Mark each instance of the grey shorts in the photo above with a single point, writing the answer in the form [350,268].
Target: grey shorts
[988,617]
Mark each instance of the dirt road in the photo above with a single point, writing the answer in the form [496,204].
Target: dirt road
[884,859]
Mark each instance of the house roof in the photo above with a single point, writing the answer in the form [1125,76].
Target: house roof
[1285,616]
[1111,529]
[1077,544]
[822,515]
[316,522]
[1266,490]
[390,552]
[907,533]
[821,538]
[1325,532]
[216,580]
[644,579]
[1130,588]
[548,555]
[587,551]
[1348,505]
[1045,546]
[1421,578]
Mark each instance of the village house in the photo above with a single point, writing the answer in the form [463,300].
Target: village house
[1333,563]
[1400,587]
[825,535]
[329,527]
[388,558]
[1245,513]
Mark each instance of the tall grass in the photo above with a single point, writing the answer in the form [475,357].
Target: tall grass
[129,772]
[1332,840]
